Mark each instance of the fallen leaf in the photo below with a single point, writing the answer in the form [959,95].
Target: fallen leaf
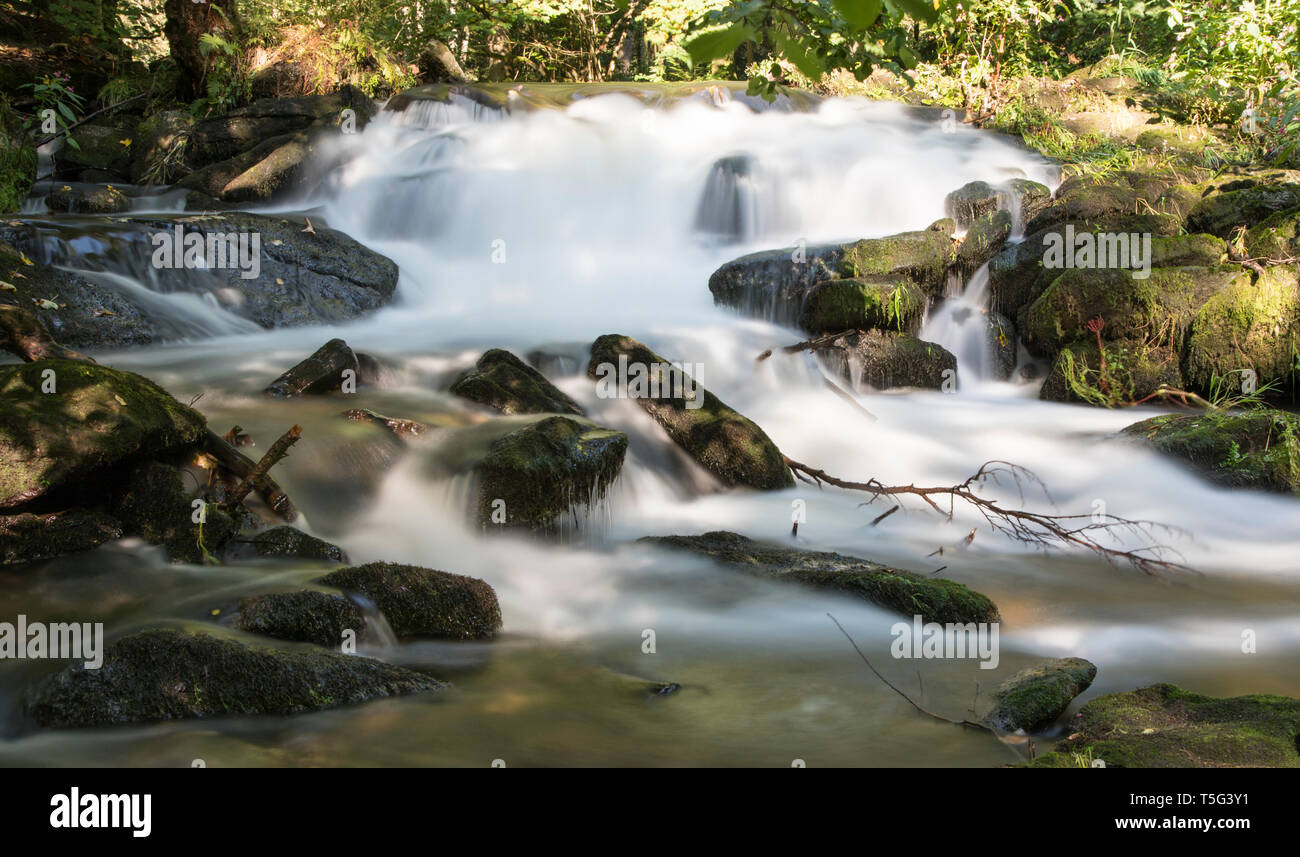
[8,287]
[23,257]
[309,228]
[120,400]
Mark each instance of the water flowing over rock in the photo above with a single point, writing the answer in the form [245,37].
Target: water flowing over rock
[885,360]
[167,674]
[722,441]
[934,599]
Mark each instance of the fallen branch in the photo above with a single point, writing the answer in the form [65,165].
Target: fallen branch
[23,335]
[1033,528]
[242,467]
[278,450]
[807,344]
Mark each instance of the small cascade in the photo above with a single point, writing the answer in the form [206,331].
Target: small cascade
[963,325]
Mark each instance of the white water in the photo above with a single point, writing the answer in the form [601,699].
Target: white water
[551,228]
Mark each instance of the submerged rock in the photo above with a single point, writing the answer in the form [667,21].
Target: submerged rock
[325,371]
[423,602]
[539,475]
[1164,726]
[400,428]
[934,599]
[167,674]
[1258,448]
[307,616]
[885,360]
[1035,697]
[502,381]
[29,537]
[720,439]
[283,543]
[95,419]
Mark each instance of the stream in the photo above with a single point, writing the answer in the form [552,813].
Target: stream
[544,229]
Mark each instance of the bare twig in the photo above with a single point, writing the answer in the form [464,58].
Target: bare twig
[278,450]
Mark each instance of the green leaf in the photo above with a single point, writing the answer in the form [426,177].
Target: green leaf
[796,51]
[714,44]
[921,10]
[859,14]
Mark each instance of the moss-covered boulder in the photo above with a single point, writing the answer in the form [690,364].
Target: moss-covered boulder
[1186,142]
[505,383]
[1221,213]
[29,537]
[306,616]
[423,602]
[970,202]
[932,598]
[1035,697]
[867,303]
[87,199]
[721,440]
[1158,308]
[1276,238]
[153,504]
[884,360]
[923,257]
[95,419]
[326,370]
[1252,324]
[102,144]
[1109,208]
[1164,726]
[542,475]
[1258,448]
[168,674]
[983,240]
[1134,370]
[224,136]
[771,284]
[287,543]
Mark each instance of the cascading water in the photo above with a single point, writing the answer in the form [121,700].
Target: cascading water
[540,230]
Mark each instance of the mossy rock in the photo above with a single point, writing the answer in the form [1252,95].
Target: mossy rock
[1164,726]
[868,303]
[1183,251]
[168,674]
[1258,448]
[932,598]
[1035,697]
[922,256]
[323,371]
[306,616]
[1028,197]
[1221,213]
[1253,324]
[424,602]
[884,360]
[154,145]
[17,158]
[502,381]
[287,543]
[1185,142]
[29,537]
[102,144]
[1158,308]
[970,202]
[154,505]
[724,442]
[540,476]
[1276,238]
[984,238]
[97,199]
[772,284]
[1108,208]
[96,419]
[1134,370]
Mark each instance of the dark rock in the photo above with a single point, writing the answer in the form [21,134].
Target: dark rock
[304,617]
[934,599]
[283,543]
[91,199]
[96,419]
[923,257]
[168,674]
[423,602]
[1035,697]
[224,136]
[721,440]
[772,284]
[983,240]
[31,537]
[154,505]
[970,202]
[322,372]
[885,360]
[502,381]
[155,152]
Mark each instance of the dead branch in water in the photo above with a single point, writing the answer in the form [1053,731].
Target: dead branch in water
[242,467]
[1033,528]
[278,450]
[23,335]
[808,344]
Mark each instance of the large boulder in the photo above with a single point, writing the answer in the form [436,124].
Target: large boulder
[94,419]
[871,302]
[103,145]
[1258,448]
[1164,726]
[324,371]
[502,381]
[423,602]
[884,360]
[1248,326]
[306,616]
[225,136]
[721,440]
[1221,213]
[1036,696]
[772,284]
[32,537]
[932,598]
[168,674]
[153,504]
[922,256]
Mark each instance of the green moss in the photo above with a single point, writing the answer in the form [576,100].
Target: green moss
[1133,371]
[97,418]
[502,381]
[934,599]
[1253,324]
[1221,213]
[33,537]
[1259,448]
[1163,726]
[424,602]
[167,674]
[922,256]
[1276,238]
[887,359]
[1035,697]
[879,303]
